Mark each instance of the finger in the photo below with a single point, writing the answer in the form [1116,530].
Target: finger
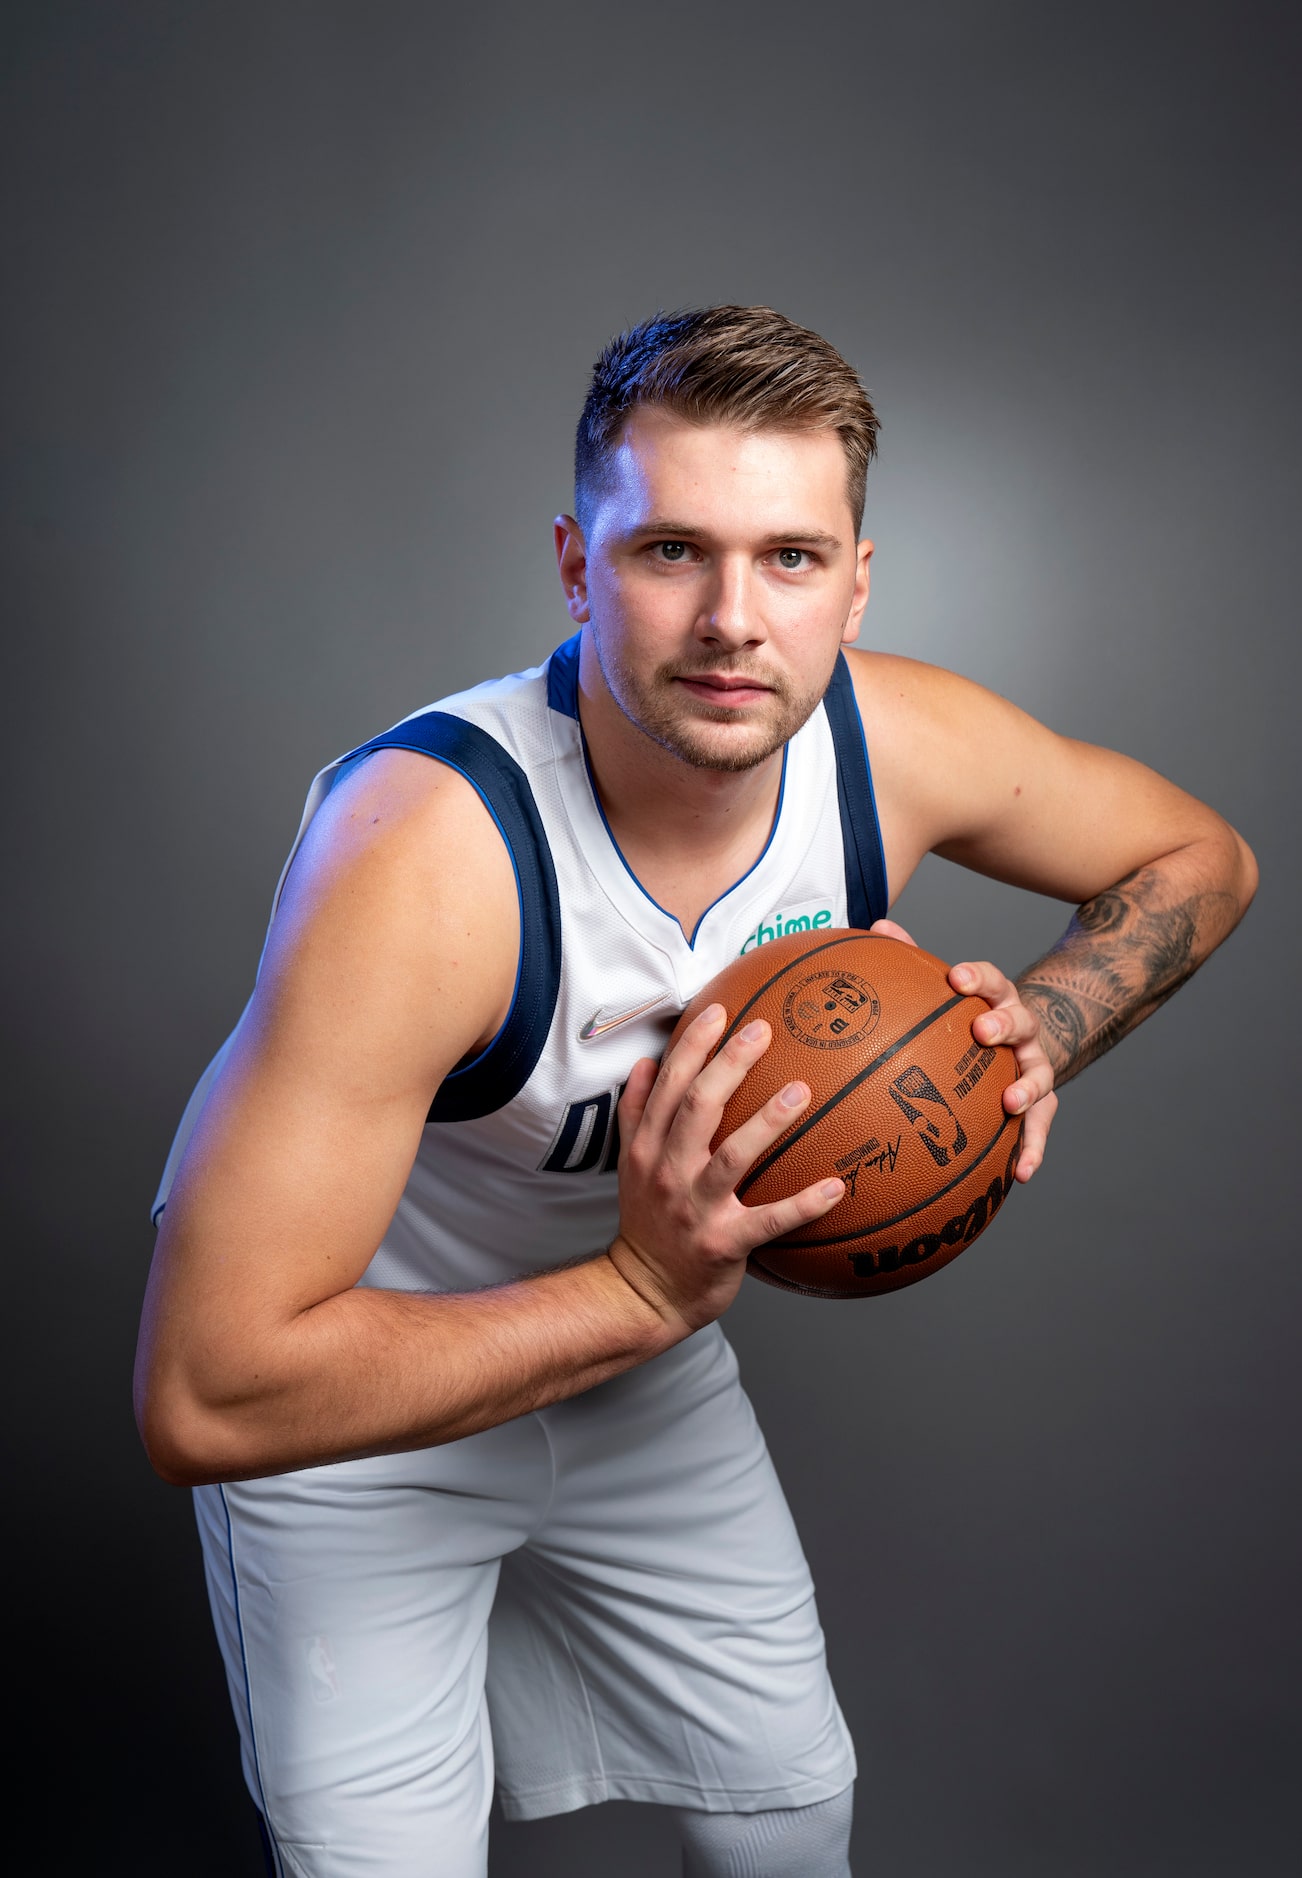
[889,930]
[779,1217]
[978,978]
[1035,1134]
[1022,1095]
[1010,1023]
[733,1157]
[632,1104]
[725,1069]
[1035,1075]
[701,1103]
[683,1062]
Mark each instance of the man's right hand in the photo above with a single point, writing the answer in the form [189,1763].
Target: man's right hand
[684,1236]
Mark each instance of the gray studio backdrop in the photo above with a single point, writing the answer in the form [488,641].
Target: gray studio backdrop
[301,300]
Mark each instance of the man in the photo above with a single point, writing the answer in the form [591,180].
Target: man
[431,1294]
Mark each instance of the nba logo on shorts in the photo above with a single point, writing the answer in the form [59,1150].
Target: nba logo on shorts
[321,1668]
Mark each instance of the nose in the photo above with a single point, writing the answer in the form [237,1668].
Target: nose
[732,617]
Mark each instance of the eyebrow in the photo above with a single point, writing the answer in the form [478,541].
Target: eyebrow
[667,529]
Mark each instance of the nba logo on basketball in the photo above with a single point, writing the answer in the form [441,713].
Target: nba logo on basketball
[931,1118]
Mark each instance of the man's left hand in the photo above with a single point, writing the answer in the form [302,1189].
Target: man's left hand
[1008,1021]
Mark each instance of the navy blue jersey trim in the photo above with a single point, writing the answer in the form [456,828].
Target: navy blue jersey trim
[861,836]
[490,1080]
[563,678]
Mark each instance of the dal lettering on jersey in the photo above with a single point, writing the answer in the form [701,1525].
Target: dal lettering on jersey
[588,1136]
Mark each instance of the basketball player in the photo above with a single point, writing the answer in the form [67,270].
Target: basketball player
[433,1321]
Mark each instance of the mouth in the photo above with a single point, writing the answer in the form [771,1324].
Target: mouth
[723,690]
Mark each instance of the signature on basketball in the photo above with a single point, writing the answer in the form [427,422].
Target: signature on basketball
[872,1158]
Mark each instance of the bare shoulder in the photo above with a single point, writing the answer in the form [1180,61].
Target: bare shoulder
[898,697]
[956,746]
[407,819]
[964,773]
[946,753]
[397,932]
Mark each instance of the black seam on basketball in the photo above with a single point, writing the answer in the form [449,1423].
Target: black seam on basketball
[869,1069]
[812,1245]
[842,938]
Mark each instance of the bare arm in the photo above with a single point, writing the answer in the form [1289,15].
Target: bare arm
[1160,878]
[391,958]
[1128,949]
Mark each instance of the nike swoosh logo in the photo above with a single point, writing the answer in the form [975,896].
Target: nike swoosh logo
[602,1020]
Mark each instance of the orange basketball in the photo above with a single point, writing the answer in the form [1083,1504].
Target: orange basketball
[907,1108]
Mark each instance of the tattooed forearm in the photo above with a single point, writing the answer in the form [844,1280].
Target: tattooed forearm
[1122,956]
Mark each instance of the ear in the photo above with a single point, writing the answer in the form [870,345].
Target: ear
[863,555]
[572,566]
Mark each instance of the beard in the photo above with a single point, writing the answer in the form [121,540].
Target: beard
[706,736]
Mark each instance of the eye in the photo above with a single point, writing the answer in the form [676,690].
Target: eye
[672,550]
[790,559]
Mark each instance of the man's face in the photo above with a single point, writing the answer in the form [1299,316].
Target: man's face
[719,576]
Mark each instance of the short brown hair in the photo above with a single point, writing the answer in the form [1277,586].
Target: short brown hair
[744,365]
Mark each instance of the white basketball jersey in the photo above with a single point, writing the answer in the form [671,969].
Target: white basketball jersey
[516,1168]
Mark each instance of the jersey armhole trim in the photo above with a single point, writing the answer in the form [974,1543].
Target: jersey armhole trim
[563,678]
[487,1082]
[867,898]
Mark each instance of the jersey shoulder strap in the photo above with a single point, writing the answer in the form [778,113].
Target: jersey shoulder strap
[490,1080]
[865,862]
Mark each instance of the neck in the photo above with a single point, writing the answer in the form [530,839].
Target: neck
[687,833]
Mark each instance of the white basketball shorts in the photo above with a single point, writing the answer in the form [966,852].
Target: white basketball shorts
[606,1597]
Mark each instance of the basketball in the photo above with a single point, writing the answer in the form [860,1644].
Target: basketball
[906,1108]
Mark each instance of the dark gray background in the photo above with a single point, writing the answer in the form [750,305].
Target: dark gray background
[301,301]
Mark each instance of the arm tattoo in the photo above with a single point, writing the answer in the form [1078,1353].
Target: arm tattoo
[1122,956]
